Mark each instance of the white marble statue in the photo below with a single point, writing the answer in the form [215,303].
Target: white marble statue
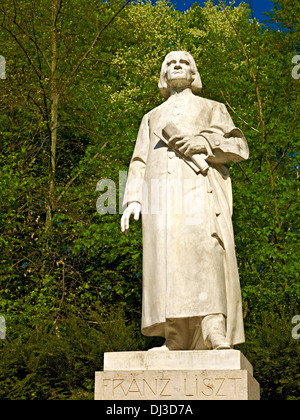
[178,182]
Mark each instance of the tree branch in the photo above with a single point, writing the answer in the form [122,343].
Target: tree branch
[85,56]
[228,104]
[251,71]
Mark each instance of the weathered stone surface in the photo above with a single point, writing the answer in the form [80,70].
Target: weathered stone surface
[177,360]
[176,375]
[178,182]
[176,385]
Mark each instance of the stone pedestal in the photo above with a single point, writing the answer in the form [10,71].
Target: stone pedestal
[176,375]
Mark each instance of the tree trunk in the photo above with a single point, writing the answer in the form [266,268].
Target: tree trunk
[54,94]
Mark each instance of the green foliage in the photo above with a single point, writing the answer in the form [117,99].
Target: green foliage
[58,361]
[59,286]
[275,356]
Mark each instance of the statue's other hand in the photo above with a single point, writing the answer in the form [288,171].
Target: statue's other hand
[133,209]
[191,145]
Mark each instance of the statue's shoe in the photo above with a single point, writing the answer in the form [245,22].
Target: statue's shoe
[223,346]
[218,341]
[161,348]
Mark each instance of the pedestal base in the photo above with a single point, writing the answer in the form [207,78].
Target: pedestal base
[176,375]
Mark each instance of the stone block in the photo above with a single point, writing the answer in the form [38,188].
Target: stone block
[176,385]
[176,375]
[177,360]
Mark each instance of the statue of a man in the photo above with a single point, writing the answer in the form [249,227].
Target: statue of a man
[178,181]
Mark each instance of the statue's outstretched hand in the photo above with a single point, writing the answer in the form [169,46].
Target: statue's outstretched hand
[134,209]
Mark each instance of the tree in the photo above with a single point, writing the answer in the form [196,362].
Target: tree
[49,64]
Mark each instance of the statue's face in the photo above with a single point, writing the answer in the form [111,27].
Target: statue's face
[179,73]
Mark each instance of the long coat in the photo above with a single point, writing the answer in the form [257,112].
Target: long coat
[189,261]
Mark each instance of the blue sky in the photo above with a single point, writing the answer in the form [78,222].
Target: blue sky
[258,6]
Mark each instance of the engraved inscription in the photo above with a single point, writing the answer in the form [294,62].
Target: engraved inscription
[164,392]
[141,387]
[188,386]
[218,393]
[210,387]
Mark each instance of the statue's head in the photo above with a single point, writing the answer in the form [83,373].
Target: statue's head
[179,70]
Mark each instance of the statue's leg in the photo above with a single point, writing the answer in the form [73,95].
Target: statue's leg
[197,333]
[177,335]
[214,332]
[196,336]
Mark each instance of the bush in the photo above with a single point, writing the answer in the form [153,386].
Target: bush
[275,356]
[58,361]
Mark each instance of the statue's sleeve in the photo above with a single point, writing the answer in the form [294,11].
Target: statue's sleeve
[134,184]
[226,143]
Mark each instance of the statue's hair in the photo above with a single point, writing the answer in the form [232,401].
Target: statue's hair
[196,86]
